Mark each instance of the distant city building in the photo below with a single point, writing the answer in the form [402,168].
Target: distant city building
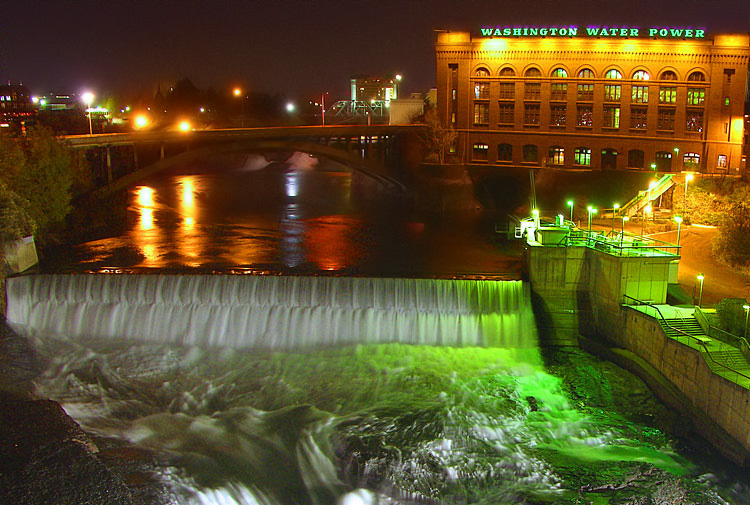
[595,98]
[59,101]
[367,89]
[15,103]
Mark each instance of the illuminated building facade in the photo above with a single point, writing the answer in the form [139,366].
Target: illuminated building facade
[366,89]
[595,98]
[15,103]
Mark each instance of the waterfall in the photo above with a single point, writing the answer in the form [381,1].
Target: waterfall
[272,312]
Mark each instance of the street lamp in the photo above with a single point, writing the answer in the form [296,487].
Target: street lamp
[622,230]
[646,210]
[591,211]
[700,296]
[237,92]
[570,204]
[688,178]
[678,219]
[747,312]
[614,211]
[653,167]
[88,99]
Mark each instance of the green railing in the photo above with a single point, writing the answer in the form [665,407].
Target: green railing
[657,314]
[724,336]
[619,243]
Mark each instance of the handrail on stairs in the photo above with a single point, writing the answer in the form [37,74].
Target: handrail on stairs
[678,330]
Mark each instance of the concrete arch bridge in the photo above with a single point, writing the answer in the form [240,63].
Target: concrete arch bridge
[122,159]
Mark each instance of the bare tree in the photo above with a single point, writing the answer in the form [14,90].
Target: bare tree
[436,138]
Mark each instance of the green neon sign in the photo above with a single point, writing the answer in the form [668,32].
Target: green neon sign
[662,32]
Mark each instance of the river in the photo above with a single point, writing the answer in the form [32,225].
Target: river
[359,423]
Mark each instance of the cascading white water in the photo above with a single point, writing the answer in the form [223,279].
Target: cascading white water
[273,312]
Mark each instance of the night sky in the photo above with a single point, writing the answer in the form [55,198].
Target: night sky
[287,46]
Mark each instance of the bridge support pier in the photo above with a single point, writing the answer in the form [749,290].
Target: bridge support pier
[109,165]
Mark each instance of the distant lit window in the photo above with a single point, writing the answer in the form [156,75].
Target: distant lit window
[556,155]
[694,121]
[507,90]
[504,152]
[639,94]
[533,72]
[453,94]
[481,113]
[667,95]
[559,91]
[635,158]
[586,73]
[611,117]
[532,91]
[507,72]
[585,115]
[531,114]
[585,93]
[696,96]
[691,161]
[481,72]
[612,92]
[666,119]
[638,117]
[582,156]
[721,162]
[697,76]
[530,153]
[559,73]
[641,75]
[453,117]
[482,90]
[613,74]
[506,116]
[668,76]
[558,115]
[480,152]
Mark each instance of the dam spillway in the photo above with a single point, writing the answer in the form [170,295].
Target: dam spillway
[272,312]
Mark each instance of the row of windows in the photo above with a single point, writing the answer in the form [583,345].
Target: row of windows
[582,156]
[665,120]
[587,73]
[585,93]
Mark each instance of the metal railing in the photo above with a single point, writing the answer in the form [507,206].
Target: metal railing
[621,243]
[722,335]
[688,337]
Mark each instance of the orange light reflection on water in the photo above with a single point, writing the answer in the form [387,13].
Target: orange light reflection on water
[147,235]
[330,241]
[189,243]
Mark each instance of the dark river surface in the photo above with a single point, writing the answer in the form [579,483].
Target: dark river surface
[356,424]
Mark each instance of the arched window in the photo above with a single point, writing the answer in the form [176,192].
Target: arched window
[641,75]
[556,155]
[504,152]
[530,153]
[507,72]
[697,76]
[559,72]
[668,75]
[583,156]
[481,72]
[586,73]
[635,158]
[533,72]
[613,74]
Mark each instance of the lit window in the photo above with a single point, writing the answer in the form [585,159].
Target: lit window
[694,121]
[612,92]
[482,90]
[721,162]
[638,118]
[507,90]
[691,161]
[506,113]
[667,95]
[531,114]
[556,155]
[582,156]
[504,152]
[666,120]
[533,72]
[696,96]
[558,114]
[585,93]
[453,94]
[559,73]
[611,117]
[482,72]
[668,76]
[481,113]
[530,153]
[532,91]
[585,115]
[559,92]
[697,76]
[480,152]
[586,73]
[639,94]
[613,74]
[641,75]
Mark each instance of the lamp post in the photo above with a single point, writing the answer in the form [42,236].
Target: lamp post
[646,210]
[570,204]
[323,107]
[747,312]
[688,178]
[622,230]
[678,219]
[614,211]
[88,99]
[700,296]
[591,211]
[237,93]
[653,167]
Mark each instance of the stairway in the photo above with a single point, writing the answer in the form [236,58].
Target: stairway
[645,197]
[687,325]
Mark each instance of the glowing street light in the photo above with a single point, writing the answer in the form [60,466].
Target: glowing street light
[570,204]
[614,211]
[700,296]
[88,99]
[141,121]
[535,214]
[747,312]
[688,178]
[591,211]
[237,92]
[653,167]
[678,219]
[622,230]
[290,107]
[184,126]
